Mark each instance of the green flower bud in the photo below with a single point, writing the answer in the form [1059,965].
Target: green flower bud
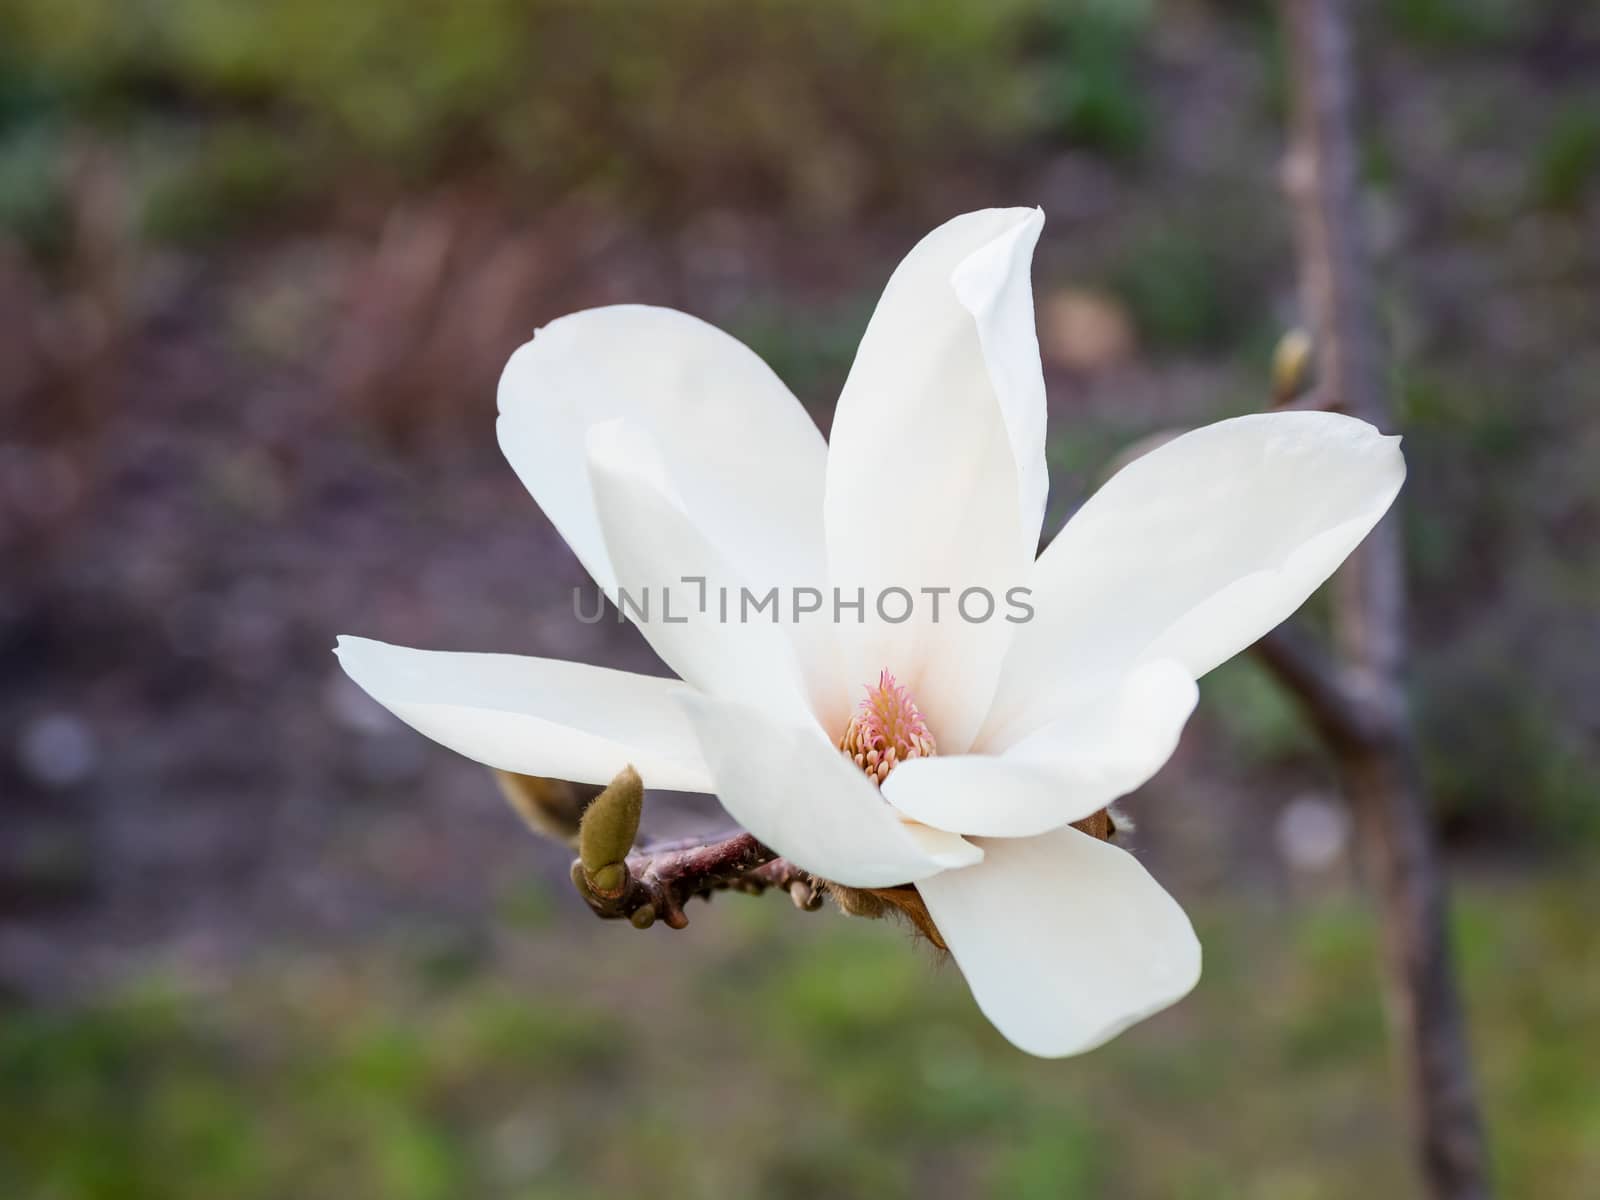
[611,823]
[1293,362]
[609,880]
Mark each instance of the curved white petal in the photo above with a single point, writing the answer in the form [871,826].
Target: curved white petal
[795,791]
[1065,940]
[1192,552]
[1064,772]
[741,453]
[677,588]
[535,716]
[936,471]
[993,284]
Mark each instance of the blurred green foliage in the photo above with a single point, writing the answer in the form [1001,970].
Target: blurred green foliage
[821,104]
[1455,23]
[810,350]
[1533,771]
[1178,289]
[240,111]
[1093,95]
[31,200]
[1568,159]
[226,176]
[1259,720]
[816,1054]
[1502,757]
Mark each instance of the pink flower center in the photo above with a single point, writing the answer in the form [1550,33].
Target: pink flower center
[886,729]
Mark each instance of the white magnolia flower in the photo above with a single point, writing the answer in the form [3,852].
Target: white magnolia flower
[664,449]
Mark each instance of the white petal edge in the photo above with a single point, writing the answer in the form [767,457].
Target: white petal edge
[1065,940]
[1192,552]
[936,476]
[535,716]
[743,455]
[994,284]
[1066,771]
[654,546]
[795,791]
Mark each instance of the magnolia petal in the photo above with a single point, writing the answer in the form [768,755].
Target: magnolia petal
[534,716]
[1064,772]
[795,791]
[743,456]
[1192,552]
[993,284]
[1065,940]
[936,474]
[676,587]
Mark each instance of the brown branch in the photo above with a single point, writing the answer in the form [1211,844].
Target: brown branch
[692,842]
[805,889]
[1306,671]
[1380,776]
[657,882]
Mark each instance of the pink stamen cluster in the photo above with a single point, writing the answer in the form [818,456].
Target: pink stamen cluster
[886,729]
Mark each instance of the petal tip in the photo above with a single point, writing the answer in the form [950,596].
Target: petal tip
[1185,976]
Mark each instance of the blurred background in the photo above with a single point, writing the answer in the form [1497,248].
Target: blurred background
[260,266]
